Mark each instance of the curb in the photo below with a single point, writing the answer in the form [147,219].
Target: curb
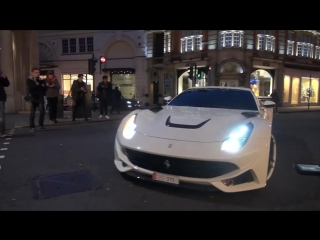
[74,123]
[301,111]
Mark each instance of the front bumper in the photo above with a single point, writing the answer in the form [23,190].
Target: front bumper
[251,162]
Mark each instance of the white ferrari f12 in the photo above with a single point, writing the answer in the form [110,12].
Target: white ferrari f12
[208,137]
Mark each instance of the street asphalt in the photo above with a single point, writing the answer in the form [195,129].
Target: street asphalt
[66,149]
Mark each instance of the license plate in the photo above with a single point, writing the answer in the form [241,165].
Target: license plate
[165,178]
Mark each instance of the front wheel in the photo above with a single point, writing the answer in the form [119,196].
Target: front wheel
[272,157]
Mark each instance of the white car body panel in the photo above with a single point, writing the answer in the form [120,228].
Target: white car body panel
[203,144]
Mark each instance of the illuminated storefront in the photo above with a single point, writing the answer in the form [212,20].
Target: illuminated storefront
[67,80]
[126,84]
[299,90]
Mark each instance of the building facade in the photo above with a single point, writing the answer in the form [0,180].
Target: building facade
[288,60]
[66,52]
[18,54]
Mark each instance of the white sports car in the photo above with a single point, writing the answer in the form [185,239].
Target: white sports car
[209,137]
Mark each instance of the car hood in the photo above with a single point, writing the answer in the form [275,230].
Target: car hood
[190,123]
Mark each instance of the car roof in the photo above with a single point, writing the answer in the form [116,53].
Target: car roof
[222,87]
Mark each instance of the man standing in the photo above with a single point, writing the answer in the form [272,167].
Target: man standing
[275,98]
[4,82]
[53,88]
[37,90]
[104,90]
[79,90]
[116,103]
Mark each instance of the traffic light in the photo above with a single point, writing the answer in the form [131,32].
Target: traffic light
[199,75]
[102,60]
[190,71]
[92,66]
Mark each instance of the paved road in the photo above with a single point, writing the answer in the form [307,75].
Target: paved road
[90,146]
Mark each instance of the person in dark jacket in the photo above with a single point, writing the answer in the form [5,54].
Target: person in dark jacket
[53,88]
[79,90]
[104,92]
[37,90]
[275,98]
[4,82]
[116,100]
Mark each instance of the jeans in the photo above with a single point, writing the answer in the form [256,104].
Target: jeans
[103,106]
[53,107]
[79,105]
[2,116]
[34,106]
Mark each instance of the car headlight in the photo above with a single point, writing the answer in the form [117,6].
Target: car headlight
[238,138]
[130,127]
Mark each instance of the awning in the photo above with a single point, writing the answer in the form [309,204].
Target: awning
[44,65]
[302,67]
[119,70]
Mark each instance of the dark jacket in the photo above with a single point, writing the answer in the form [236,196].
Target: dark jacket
[4,82]
[37,91]
[275,97]
[53,92]
[76,93]
[104,91]
[117,95]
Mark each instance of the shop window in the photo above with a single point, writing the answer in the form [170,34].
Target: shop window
[67,80]
[231,38]
[309,90]
[286,89]
[295,90]
[191,40]
[126,84]
[261,83]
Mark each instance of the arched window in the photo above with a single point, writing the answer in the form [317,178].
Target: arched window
[231,38]
[305,45]
[266,40]
[191,40]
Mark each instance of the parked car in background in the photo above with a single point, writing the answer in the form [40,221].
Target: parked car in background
[126,103]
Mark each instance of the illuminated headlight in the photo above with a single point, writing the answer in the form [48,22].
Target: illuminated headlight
[238,138]
[130,128]
[128,102]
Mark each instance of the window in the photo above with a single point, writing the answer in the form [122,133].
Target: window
[309,90]
[74,45]
[216,98]
[191,40]
[167,42]
[266,40]
[317,53]
[286,89]
[82,45]
[290,43]
[305,46]
[295,90]
[67,80]
[231,38]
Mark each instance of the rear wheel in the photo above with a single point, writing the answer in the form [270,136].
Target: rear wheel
[272,157]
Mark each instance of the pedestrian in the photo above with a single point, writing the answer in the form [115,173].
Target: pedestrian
[275,98]
[37,90]
[4,82]
[116,100]
[104,93]
[53,87]
[79,90]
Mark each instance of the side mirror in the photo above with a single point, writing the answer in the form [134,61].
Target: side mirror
[269,104]
[307,169]
[168,99]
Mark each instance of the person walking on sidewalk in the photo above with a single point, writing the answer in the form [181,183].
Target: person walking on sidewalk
[116,100]
[53,88]
[79,90]
[275,98]
[4,82]
[104,92]
[37,90]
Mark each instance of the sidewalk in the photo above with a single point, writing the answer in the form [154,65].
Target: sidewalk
[298,109]
[21,119]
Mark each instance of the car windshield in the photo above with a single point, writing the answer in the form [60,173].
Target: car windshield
[216,98]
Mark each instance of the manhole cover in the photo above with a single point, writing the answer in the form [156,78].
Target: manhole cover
[63,184]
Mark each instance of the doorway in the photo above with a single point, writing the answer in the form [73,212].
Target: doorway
[155,87]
